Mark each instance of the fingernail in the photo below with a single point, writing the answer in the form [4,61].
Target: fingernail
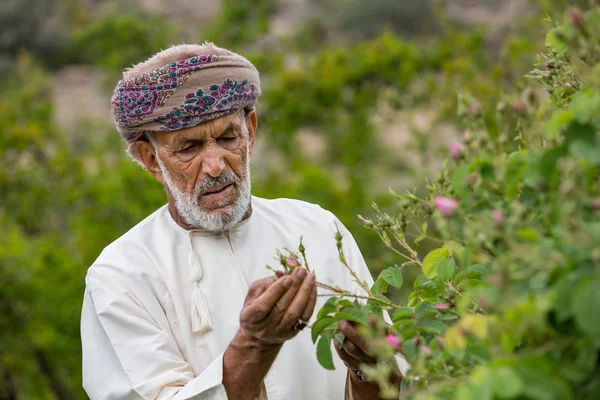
[311,278]
[301,272]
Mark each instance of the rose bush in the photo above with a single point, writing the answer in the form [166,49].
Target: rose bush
[504,306]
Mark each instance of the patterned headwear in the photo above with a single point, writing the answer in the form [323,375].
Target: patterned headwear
[184,93]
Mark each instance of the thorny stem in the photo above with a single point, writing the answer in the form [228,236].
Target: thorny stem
[338,237]
[357,296]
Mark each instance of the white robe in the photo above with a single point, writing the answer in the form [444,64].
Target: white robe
[136,320]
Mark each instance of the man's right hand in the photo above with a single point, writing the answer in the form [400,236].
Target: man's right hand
[273,307]
[267,320]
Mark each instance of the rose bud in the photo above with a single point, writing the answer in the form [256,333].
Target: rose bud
[440,342]
[291,261]
[569,85]
[392,340]
[456,149]
[498,217]
[445,205]
[576,19]
[426,350]
[417,341]
[441,306]
[372,320]
[519,107]
[279,273]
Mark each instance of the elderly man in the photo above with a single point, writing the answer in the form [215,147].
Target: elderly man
[182,306]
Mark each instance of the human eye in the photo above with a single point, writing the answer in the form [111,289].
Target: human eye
[188,148]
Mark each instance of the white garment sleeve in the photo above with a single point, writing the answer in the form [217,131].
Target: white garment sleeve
[129,352]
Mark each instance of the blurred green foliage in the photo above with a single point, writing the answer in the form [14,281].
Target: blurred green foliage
[62,200]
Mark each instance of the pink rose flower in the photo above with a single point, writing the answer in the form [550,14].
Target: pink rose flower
[498,217]
[456,149]
[393,340]
[446,206]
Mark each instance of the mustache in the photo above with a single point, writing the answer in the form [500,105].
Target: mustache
[208,183]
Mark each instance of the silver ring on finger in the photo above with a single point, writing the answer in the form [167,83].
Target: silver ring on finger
[299,325]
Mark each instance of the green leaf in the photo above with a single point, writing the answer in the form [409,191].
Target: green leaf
[431,260]
[514,171]
[437,327]
[445,269]
[506,384]
[554,39]
[528,234]
[459,180]
[320,325]
[403,312]
[586,298]
[393,276]
[345,303]
[380,286]
[329,307]
[351,314]
[402,323]
[424,308]
[324,355]
[470,272]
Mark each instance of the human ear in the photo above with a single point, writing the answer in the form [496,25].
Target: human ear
[148,158]
[252,124]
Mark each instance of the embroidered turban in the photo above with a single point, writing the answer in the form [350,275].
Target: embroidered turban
[184,93]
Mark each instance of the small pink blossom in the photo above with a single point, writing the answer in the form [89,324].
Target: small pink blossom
[446,206]
[291,261]
[519,106]
[456,149]
[569,84]
[426,350]
[442,306]
[279,273]
[498,217]
[393,340]
[576,19]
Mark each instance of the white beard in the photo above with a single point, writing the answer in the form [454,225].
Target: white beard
[217,221]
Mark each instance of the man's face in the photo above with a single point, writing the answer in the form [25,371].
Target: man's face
[205,170]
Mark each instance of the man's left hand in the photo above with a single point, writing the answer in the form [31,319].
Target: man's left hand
[353,351]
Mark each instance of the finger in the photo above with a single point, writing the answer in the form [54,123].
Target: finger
[284,302]
[300,302]
[262,306]
[349,360]
[352,334]
[353,350]
[257,288]
[310,307]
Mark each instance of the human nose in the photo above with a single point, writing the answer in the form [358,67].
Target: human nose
[213,162]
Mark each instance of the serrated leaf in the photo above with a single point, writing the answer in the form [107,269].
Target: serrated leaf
[437,327]
[351,314]
[380,286]
[324,355]
[320,325]
[393,276]
[403,312]
[445,269]
[329,307]
[431,260]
